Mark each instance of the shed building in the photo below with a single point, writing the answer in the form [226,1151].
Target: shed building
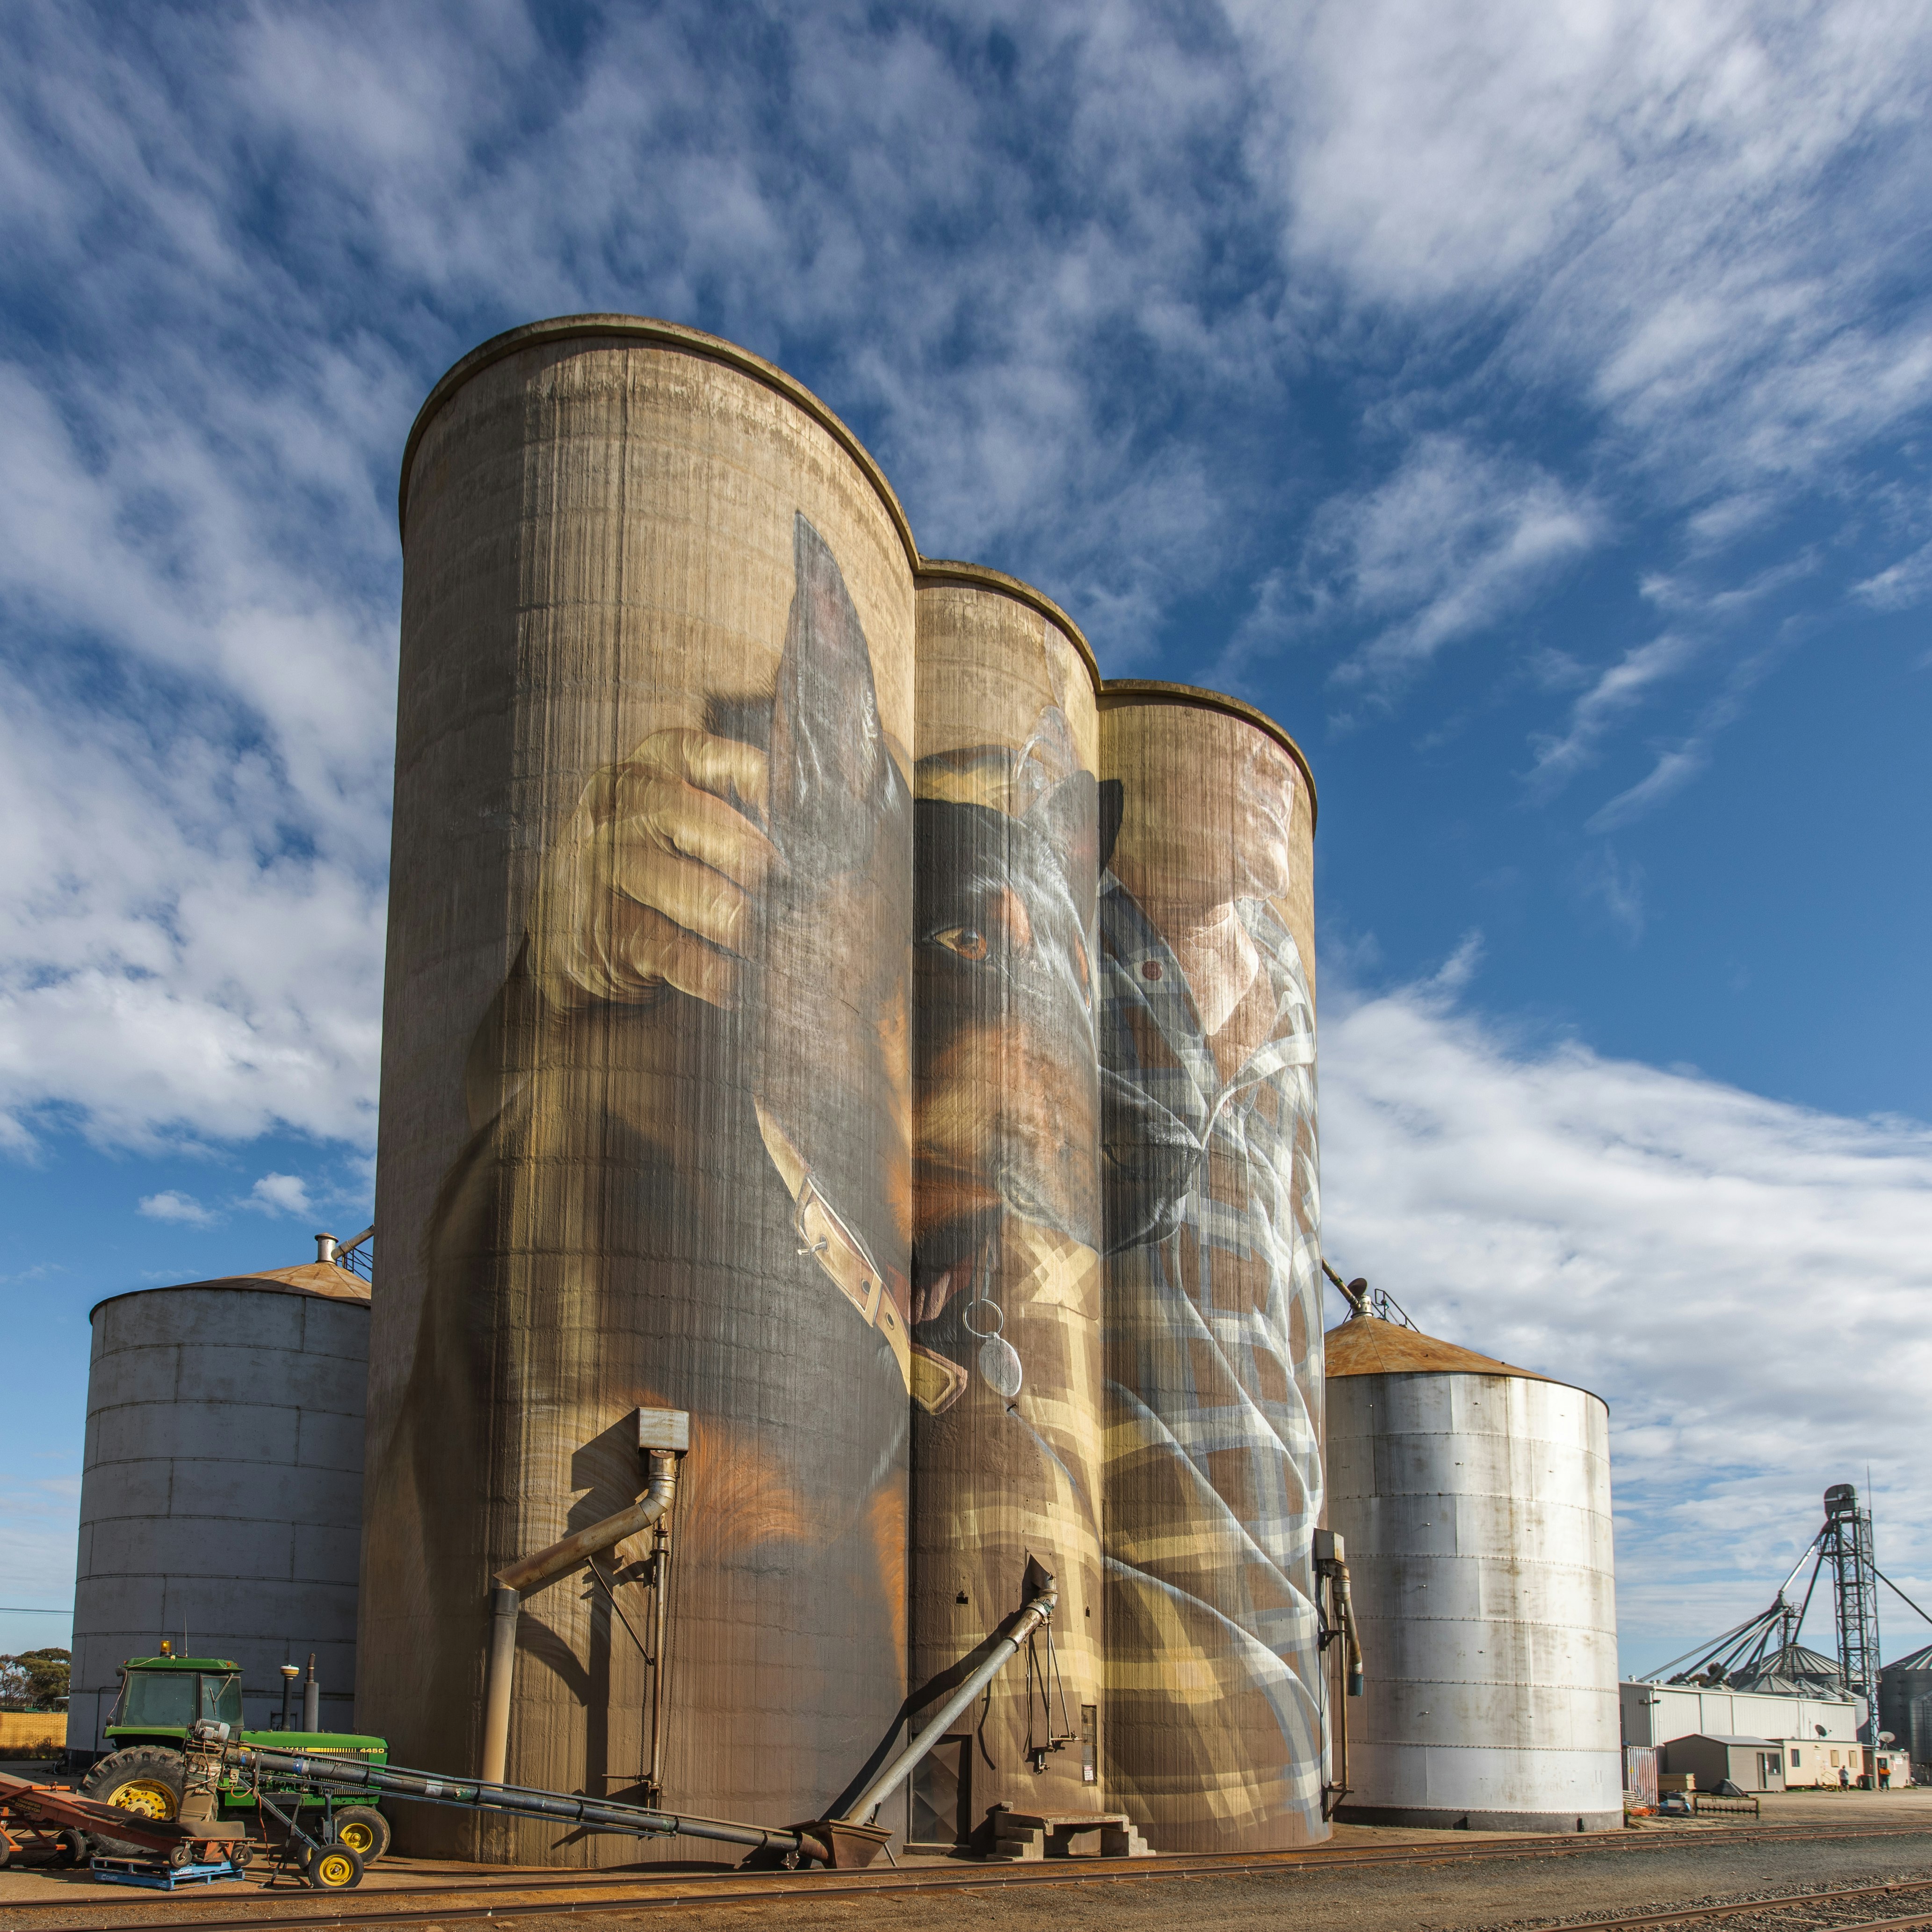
[1474,1501]
[1752,1764]
[221,1487]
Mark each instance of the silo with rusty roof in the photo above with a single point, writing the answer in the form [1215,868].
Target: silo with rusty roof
[221,1486]
[1474,1502]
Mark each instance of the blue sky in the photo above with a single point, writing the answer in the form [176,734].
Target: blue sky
[1527,403]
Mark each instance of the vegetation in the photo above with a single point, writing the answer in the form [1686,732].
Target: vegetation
[35,1680]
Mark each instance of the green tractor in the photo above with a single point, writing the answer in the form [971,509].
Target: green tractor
[161,1697]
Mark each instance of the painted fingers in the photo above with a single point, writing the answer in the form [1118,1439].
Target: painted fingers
[655,883]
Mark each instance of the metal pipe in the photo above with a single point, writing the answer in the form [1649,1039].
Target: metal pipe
[311,1698]
[520,1801]
[1345,1606]
[511,1585]
[1037,1613]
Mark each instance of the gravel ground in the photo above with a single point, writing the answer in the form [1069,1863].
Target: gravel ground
[1669,1869]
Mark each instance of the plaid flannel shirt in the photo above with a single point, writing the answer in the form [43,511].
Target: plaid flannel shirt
[1213,1340]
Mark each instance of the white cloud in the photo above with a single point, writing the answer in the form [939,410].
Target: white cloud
[280,1194]
[1616,691]
[1690,206]
[171,1205]
[1899,586]
[1743,1281]
[1455,539]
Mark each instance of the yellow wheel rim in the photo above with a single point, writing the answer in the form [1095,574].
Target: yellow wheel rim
[357,1836]
[148,1796]
[333,1869]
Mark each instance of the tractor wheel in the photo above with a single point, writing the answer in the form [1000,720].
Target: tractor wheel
[334,1868]
[147,1779]
[364,1830]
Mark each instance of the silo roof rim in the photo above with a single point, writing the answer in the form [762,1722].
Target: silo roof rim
[667,334]
[934,572]
[1117,690]
[237,1284]
[1452,1359]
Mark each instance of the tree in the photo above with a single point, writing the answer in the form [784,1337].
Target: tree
[35,1680]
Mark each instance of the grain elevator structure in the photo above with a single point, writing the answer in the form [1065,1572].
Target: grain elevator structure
[848,1160]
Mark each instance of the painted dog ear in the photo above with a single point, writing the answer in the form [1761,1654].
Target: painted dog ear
[829,766]
[1113,809]
[1068,817]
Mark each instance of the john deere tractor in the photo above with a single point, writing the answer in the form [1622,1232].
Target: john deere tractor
[162,1696]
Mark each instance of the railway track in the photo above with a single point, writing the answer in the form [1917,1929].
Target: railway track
[1701,1915]
[537,1896]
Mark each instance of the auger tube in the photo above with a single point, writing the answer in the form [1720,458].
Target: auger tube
[520,1800]
[1038,1612]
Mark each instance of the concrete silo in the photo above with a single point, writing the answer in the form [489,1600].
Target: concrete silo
[221,1489]
[1211,1294]
[647,1109]
[1474,1500]
[1006,1367]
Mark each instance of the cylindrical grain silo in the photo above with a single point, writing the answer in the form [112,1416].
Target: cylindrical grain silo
[1212,1283]
[646,1110]
[1006,1370]
[1905,1709]
[221,1489]
[1474,1501]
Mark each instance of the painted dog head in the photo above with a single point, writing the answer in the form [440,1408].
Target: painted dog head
[1004,1055]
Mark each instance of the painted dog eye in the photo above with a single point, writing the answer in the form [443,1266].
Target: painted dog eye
[968,941]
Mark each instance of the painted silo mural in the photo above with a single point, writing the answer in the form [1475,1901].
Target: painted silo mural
[1006,1287]
[1213,1273]
[647,1088]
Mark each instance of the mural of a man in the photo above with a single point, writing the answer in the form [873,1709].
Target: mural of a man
[1213,1352]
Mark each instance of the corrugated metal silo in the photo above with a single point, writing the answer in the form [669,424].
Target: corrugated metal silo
[1474,1500]
[1905,1708]
[647,1109]
[1211,1296]
[221,1489]
[1007,1372]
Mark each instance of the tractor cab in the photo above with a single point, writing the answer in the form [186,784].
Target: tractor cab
[163,1697]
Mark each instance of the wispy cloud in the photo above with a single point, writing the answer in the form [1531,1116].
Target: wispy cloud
[1900,586]
[1616,692]
[1741,1279]
[1453,540]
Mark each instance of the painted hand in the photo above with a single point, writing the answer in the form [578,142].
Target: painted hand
[653,883]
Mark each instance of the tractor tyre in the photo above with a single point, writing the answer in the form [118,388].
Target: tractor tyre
[364,1830]
[148,1779]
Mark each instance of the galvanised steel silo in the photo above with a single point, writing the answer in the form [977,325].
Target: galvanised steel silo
[221,1491]
[646,1106]
[1474,1500]
[1007,1359]
[1211,1295]
[1905,1708]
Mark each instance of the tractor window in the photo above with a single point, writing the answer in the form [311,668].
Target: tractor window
[221,1698]
[158,1700]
